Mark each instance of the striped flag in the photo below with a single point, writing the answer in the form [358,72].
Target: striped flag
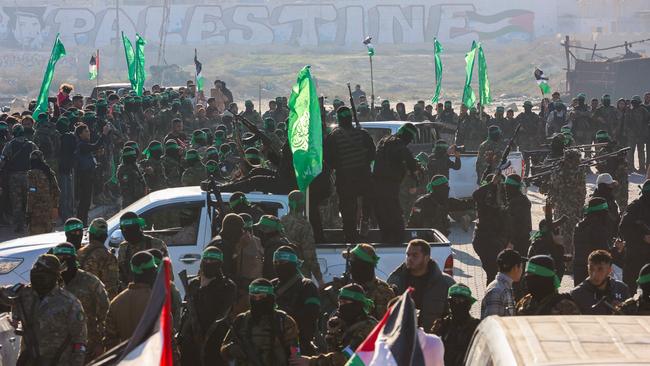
[199,76]
[394,341]
[93,66]
[151,342]
[371,48]
[542,81]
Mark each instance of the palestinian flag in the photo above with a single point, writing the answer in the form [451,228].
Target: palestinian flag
[542,81]
[371,48]
[199,76]
[93,66]
[151,342]
[394,341]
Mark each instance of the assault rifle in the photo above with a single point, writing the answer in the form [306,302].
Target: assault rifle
[259,133]
[505,163]
[211,187]
[354,108]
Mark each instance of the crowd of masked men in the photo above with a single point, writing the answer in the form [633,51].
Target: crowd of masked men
[259,297]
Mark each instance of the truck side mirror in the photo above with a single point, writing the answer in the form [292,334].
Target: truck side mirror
[116,238]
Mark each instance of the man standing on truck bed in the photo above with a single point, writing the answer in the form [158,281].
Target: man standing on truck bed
[349,152]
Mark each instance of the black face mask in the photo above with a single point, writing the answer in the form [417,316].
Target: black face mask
[132,234]
[74,239]
[285,271]
[350,312]
[460,310]
[71,271]
[148,276]
[540,287]
[262,308]
[42,282]
[439,153]
[645,290]
[211,270]
[362,272]
[607,102]
[441,193]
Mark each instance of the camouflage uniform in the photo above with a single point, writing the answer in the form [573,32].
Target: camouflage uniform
[262,339]
[556,304]
[155,179]
[340,336]
[132,183]
[607,117]
[47,139]
[128,249]
[56,318]
[635,305]
[380,293]
[567,194]
[172,170]
[96,259]
[299,232]
[194,175]
[487,147]
[91,293]
[471,131]
[42,197]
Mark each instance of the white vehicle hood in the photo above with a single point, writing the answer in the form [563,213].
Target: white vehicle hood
[41,242]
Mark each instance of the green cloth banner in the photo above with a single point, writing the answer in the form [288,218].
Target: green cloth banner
[469,99]
[484,94]
[305,129]
[130,59]
[140,72]
[58,51]
[437,47]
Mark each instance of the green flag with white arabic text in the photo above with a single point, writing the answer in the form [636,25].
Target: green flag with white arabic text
[438,61]
[305,130]
[483,81]
[469,99]
[130,59]
[58,51]
[140,72]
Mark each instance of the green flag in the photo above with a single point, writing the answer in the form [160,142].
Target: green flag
[469,99]
[140,72]
[437,51]
[483,81]
[58,51]
[130,59]
[305,130]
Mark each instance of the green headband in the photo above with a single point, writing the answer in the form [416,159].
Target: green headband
[155,147]
[64,250]
[96,231]
[73,226]
[285,256]
[542,271]
[645,188]
[294,205]
[252,156]
[128,153]
[356,296]
[441,146]
[361,254]
[642,280]
[602,207]
[412,131]
[146,265]
[538,234]
[135,221]
[260,290]
[236,202]
[512,182]
[436,182]
[461,291]
[191,155]
[211,168]
[602,135]
[171,146]
[265,221]
[212,255]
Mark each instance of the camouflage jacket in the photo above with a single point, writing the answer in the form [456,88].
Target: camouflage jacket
[96,259]
[55,319]
[299,232]
[90,291]
[555,304]
[532,130]
[635,305]
[342,340]
[47,139]
[194,175]
[128,249]
[488,148]
[132,183]
[173,171]
[154,174]
[380,293]
[42,196]
[270,341]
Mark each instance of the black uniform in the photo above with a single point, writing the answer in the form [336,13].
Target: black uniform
[298,297]
[441,164]
[200,331]
[430,211]
[519,225]
[455,335]
[491,230]
[393,160]
[635,224]
[349,152]
[591,233]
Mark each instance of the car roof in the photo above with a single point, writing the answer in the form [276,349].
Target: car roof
[114,85]
[567,340]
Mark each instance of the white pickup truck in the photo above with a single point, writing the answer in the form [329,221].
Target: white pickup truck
[462,183]
[179,216]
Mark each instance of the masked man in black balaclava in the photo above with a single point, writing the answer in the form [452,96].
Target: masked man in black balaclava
[639,304]
[73,228]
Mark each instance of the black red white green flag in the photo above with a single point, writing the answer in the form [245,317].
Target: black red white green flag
[394,341]
[93,66]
